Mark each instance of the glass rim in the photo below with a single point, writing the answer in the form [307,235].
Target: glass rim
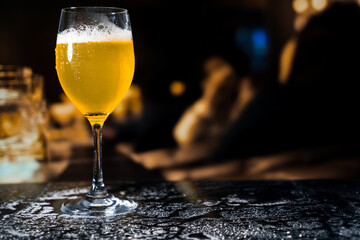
[113,10]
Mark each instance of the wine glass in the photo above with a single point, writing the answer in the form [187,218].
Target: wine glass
[95,64]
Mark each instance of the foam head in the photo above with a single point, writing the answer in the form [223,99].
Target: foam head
[94,33]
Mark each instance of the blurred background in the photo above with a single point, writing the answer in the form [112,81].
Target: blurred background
[223,89]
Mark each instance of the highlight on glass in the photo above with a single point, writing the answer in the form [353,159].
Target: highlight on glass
[95,64]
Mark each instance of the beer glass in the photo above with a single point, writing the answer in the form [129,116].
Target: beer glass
[95,65]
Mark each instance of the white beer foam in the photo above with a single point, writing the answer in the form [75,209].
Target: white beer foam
[99,33]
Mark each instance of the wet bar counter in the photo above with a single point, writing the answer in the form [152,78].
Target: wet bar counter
[319,209]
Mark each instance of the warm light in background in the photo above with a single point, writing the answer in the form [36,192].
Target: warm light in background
[182,131]
[306,8]
[300,21]
[177,88]
[131,103]
[300,6]
[286,59]
[187,124]
[10,124]
[319,5]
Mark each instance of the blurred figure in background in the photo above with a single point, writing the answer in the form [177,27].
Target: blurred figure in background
[307,126]
[316,103]
[314,110]
[226,89]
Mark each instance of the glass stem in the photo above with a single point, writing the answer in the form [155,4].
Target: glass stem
[98,189]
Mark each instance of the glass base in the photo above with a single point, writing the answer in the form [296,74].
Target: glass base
[91,207]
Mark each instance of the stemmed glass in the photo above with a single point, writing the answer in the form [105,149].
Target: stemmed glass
[95,65]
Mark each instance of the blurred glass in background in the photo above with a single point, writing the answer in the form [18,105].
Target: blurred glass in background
[22,121]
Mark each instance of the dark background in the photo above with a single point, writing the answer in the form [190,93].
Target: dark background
[314,112]
[170,38]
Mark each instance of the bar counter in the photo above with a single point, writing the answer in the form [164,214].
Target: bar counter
[322,209]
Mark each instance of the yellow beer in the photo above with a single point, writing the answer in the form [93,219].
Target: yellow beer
[95,75]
